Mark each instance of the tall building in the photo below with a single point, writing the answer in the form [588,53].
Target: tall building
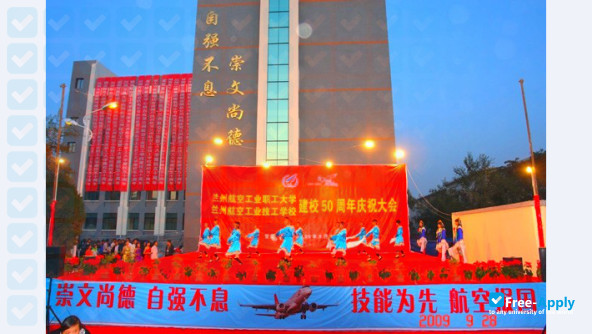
[278,82]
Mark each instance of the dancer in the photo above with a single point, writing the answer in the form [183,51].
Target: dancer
[375,242]
[398,240]
[441,243]
[234,244]
[459,243]
[299,242]
[254,244]
[361,240]
[422,241]
[215,240]
[339,240]
[204,243]
[287,235]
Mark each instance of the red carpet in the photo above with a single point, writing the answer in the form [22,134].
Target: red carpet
[312,269]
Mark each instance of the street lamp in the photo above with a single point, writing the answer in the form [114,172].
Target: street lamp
[399,154]
[535,191]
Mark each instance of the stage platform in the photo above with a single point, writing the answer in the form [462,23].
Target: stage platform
[307,269]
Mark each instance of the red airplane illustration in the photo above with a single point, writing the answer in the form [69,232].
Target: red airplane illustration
[298,303]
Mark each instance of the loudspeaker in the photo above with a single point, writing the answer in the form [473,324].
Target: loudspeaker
[54,261]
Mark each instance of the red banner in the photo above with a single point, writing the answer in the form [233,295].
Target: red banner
[313,197]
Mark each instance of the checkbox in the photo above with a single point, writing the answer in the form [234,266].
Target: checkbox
[22,58]
[22,94]
[496,299]
[22,166]
[22,203]
[21,130]
[22,22]
[21,274]
[21,310]
[21,238]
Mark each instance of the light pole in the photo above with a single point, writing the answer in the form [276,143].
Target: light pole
[535,191]
[57,170]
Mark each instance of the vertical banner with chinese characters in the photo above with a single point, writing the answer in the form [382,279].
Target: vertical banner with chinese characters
[313,197]
[331,308]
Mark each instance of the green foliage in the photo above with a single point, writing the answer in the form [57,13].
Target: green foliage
[477,184]
[468,275]
[212,273]
[430,275]
[188,271]
[270,275]
[512,271]
[241,275]
[353,275]
[329,276]
[144,271]
[480,272]
[384,274]
[117,270]
[88,269]
[414,275]
[299,272]
[444,273]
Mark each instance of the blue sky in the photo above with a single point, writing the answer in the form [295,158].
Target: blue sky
[455,67]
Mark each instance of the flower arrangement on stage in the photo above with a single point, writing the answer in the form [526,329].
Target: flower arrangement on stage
[308,269]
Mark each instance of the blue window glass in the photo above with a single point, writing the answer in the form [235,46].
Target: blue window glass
[272,90]
[272,150]
[282,92]
[272,73]
[282,150]
[282,131]
[283,19]
[272,131]
[283,71]
[283,35]
[273,54]
[272,111]
[284,5]
[274,20]
[274,35]
[282,110]
[283,53]
[274,5]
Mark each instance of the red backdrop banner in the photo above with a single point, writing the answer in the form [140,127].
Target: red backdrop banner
[314,197]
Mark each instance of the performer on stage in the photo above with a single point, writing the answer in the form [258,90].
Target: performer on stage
[299,242]
[361,241]
[215,239]
[422,241]
[459,243]
[398,240]
[234,244]
[375,242]
[204,243]
[287,235]
[441,243]
[254,244]
[339,240]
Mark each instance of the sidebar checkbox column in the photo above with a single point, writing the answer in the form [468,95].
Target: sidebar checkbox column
[22,166]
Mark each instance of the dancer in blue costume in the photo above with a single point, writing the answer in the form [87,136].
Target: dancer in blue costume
[254,244]
[340,241]
[215,239]
[287,236]
[375,242]
[441,243]
[204,243]
[299,242]
[422,241]
[234,243]
[398,240]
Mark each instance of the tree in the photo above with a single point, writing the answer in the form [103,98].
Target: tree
[476,185]
[69,211]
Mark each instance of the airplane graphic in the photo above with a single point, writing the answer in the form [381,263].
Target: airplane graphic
[298,303]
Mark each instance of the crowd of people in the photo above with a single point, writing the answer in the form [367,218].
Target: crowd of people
[133,250]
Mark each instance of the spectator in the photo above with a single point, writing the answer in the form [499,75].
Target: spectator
[154,251]
[71,325]
[169,250]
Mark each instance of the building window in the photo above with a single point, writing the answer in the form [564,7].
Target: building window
[112,195]
[173,195]
[133,221]
[79,84]
[109,221]
[149,222]
[71,147]
[135,195]
[90,223]
[91,195]
[277,82]
[171,221]
[151,195]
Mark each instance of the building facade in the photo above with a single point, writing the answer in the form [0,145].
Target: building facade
[274,82]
